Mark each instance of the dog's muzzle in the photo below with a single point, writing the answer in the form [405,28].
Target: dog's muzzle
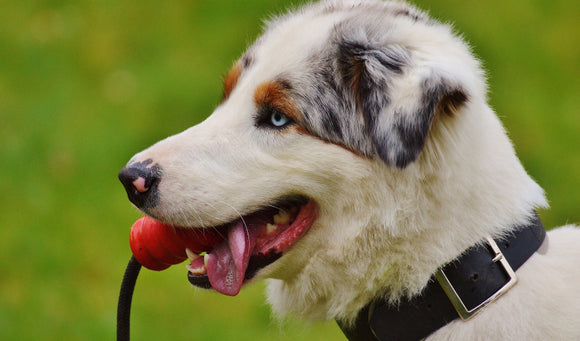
[140,180]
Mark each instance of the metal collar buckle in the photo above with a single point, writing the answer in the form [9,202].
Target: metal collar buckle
[458,304]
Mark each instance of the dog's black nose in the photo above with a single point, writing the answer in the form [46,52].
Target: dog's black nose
[140,180]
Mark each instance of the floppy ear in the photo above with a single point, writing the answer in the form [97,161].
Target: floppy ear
[398,101]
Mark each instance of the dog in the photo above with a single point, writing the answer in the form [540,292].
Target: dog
[352,160]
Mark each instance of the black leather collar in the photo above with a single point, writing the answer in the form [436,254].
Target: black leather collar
[476,276]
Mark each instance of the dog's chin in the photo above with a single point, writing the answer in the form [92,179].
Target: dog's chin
[233,253]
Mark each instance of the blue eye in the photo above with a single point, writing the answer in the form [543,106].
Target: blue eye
[273,118]
[277,119]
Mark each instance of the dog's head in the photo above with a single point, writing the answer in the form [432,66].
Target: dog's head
[316,158]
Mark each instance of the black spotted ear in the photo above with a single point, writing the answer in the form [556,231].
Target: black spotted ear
[400,132]
[398,101]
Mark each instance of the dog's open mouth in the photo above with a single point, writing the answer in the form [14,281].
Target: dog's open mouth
[223,257]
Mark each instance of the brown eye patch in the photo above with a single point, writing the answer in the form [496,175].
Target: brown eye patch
[275,95]
[231,80]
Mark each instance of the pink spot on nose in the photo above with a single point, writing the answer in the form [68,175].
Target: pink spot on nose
[139,185]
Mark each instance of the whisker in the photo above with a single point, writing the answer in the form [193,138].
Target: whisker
[241,218]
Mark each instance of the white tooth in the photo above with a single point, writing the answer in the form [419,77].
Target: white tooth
[191,255]
[270,228]
[200,271]
[205,259]
[281,218]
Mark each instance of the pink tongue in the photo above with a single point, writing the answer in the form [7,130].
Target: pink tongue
[227,262]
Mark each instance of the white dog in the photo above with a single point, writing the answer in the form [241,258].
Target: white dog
[354,161]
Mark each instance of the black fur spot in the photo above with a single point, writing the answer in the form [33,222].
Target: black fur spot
[247,60]
[370,92]
[452,101]
[412,130]
[406,12]
[330,121]
[412,133]
[355,57]
[286,84]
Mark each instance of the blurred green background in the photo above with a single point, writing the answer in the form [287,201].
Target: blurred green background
[86,84]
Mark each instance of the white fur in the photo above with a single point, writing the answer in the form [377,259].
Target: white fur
[382,230]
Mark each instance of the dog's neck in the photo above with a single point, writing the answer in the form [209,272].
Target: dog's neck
[460,289]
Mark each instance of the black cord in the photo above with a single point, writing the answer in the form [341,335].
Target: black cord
[125,297]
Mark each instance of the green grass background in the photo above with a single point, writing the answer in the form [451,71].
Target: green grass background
[86,84]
